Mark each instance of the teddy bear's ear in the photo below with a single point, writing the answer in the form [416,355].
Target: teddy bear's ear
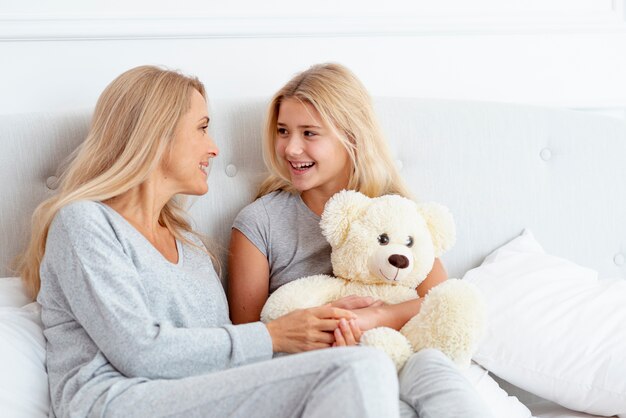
[441,226]
[339,212]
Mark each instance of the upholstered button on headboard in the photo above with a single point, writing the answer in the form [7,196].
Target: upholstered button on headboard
[499,167]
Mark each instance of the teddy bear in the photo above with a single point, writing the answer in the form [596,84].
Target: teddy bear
[384,247]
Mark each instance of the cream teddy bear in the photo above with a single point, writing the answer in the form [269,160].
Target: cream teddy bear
[385,247]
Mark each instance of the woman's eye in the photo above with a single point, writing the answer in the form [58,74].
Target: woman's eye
[409,242]
[309,133]
[204,128]
[282,131]
[383,239]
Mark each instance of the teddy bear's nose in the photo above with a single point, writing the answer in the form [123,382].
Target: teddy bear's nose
[398,261]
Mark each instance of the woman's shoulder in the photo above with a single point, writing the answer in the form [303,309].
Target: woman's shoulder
[83,216]
[82,210]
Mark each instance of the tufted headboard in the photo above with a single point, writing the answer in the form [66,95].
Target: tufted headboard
[499,167]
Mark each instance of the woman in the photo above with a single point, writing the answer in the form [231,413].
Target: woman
[135,317]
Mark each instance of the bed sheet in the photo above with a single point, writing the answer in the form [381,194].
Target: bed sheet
[548,409]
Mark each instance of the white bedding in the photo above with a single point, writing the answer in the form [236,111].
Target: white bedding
[554,329]
[552,410]
[23,381]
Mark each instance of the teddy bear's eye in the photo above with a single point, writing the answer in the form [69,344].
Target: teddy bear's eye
[383,239]
[409,242]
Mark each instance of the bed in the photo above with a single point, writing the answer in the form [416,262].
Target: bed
[539,200]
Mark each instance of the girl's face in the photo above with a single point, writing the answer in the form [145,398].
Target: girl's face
[310,150]
[185,169]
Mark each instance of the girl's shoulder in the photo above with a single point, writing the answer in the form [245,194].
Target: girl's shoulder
[273,207]
[270,202]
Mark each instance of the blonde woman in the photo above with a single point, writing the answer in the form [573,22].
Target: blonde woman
[135,317]
[321,136]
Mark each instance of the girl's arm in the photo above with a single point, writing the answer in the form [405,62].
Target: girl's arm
[437,275]
[248,279]
[248,288]
[395,316]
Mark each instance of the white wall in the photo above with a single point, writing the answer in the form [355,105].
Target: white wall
[571,53]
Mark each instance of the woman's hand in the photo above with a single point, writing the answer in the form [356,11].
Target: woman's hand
[306,329]
[347,334]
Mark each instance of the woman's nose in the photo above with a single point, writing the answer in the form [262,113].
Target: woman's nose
[213,149]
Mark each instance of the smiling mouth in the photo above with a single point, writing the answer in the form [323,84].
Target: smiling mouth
[395,278]
[301,167]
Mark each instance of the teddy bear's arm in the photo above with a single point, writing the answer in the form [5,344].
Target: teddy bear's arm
[307,292]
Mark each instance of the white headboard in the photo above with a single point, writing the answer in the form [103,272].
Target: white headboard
[499,167]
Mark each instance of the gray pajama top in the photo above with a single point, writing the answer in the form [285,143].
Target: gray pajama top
[117,313]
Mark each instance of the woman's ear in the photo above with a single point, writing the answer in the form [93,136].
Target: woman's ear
[340,211]
[440,224]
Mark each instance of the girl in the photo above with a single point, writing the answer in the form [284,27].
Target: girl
[321,136]
[135,317]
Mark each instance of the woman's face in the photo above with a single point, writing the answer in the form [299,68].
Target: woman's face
[310,149]
[185,169]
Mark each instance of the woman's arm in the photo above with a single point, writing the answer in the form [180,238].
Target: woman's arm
[248,279]
[106,297]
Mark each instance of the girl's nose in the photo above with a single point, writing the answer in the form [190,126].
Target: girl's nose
[294,146]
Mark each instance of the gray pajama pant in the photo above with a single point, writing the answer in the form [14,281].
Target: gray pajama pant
[431,386]
[340,382]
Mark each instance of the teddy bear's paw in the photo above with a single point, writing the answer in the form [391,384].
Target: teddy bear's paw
[307,292]
[391,342]
[451,319]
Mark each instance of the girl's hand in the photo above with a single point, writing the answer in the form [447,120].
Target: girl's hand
[354,302]
[382,315]
[306,329]
[347,334]
[370,317]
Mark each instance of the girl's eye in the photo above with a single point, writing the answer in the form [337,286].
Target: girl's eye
[282,131]
[383,239]
[309,133]
[204,128]
[409,242]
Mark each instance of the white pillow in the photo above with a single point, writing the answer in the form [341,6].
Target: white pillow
[23,377]
[499,402]
[12,292]
[554,329]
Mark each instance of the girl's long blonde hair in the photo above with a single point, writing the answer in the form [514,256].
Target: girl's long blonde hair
[345,105]
[131,131]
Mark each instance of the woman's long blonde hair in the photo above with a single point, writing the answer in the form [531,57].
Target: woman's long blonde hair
[345,106]
[131,130]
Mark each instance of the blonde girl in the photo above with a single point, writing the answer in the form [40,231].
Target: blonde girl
[321,136]
[134,314]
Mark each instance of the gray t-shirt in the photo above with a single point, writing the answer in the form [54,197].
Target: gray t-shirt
[287,232]
[117,313]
